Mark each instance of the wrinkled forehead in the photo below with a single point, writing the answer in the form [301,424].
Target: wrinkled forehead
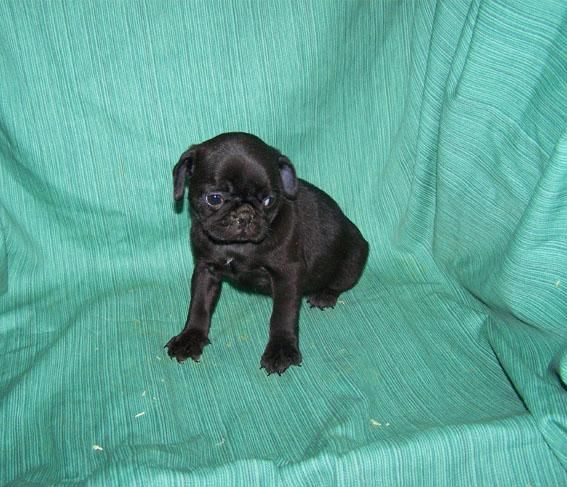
[242,176]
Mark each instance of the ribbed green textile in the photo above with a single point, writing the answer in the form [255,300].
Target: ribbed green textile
[439,127]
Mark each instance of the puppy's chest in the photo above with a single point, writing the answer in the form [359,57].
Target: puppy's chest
[238,267]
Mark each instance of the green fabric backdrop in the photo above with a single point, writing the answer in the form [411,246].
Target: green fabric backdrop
[440,128]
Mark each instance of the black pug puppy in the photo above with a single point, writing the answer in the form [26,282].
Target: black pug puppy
[259,226]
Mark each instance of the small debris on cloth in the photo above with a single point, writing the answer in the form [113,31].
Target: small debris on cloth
[140,414]
[98,448]
[377,424]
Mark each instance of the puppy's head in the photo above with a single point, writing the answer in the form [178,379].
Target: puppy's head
[237,185]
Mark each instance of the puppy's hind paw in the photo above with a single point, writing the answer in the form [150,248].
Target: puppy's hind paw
[186,345]
[326,298]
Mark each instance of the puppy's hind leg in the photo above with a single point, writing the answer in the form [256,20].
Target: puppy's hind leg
[326,298]
[347,275]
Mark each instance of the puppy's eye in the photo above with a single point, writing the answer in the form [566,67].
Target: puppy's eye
[268,201]
[214,199]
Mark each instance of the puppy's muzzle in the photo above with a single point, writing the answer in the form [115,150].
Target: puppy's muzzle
[240,224]
[243,216]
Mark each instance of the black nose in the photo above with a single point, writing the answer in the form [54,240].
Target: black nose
[244,219]
[243,216]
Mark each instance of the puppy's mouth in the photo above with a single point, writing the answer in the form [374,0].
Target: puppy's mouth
[231,235]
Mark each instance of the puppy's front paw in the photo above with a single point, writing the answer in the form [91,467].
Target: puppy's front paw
[280,353]
[186,345]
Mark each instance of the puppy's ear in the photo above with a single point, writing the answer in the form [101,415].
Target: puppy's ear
[288,177]
[182,170]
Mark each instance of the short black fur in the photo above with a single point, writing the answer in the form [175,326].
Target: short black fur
[271,233]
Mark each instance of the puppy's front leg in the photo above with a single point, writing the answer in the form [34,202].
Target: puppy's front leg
[282,350]
[205,290]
